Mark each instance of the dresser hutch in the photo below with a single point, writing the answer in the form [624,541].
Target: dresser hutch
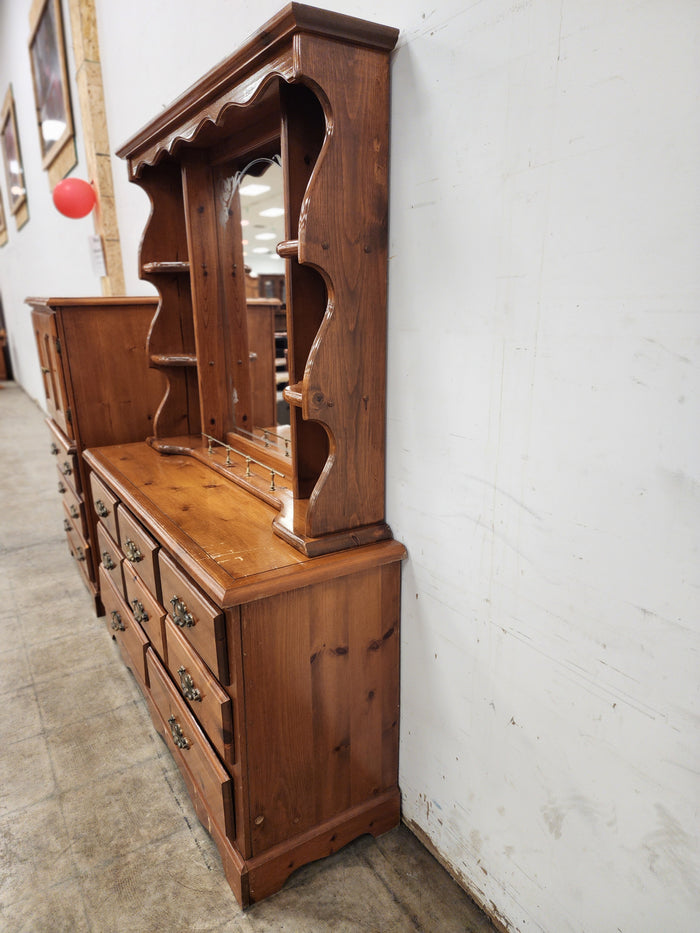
[248,574]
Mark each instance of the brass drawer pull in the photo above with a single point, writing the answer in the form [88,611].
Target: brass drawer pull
[101,508]
[140,613]
[177,733]
[180,614]
[133,554]
[66,468]
[54,448]
[66,525]
[73,511]
[107,561]
[80,552]
[189,691]
[61,488]
[117,623]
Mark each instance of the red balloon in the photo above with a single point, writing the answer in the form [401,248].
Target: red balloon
[74,197]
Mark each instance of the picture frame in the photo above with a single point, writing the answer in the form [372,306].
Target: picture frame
[47,53]
[12,155]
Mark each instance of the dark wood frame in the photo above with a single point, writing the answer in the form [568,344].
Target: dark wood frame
[9,118]
[58,73]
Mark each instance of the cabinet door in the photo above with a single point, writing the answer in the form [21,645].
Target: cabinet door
[51,364]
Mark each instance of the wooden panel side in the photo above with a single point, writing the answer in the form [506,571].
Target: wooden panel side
[344,236]
[116,394]
[321,683]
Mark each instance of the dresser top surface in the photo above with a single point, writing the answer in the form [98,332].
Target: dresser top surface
[220,533]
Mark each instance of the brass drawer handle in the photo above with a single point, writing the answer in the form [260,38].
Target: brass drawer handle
[61,488]
[117,623]
[66,525]
[107,561]
[66,468]
[80,552]
[140,613]
[101,508]
[189,691]
[180,614]
[133,554]
[177,733]
[54,448]
[73,511]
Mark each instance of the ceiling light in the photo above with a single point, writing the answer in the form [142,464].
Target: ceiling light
[264,236]
[252,191]
[261,249]
[273,212]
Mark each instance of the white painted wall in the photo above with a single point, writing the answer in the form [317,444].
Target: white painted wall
[50,255]
[543,451]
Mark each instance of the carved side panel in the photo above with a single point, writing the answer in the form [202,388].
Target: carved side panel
[343,234]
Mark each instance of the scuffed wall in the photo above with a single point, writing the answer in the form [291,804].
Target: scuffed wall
[543,451]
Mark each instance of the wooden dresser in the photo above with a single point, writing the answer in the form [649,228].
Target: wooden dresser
[99,390]
[247,570]
[272,676]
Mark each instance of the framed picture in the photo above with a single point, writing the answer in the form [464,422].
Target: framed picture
[9,141]
[51,94]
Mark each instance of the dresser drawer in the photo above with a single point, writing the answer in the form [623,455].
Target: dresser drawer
[199,620]
[145,609]
[130,637]
[75,507]
[71,523]
[105,505]
[204,695]
[140,550]
[67,466]
[80,551]
[190,747]
[109,557]
[59,444]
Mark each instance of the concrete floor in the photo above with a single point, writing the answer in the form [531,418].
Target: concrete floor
[96,829]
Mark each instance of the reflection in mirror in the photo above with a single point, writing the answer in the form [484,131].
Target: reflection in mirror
[262,226]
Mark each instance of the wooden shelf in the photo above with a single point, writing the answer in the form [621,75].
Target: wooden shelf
[288,249]
[166,268]
[292,394]
[173,359]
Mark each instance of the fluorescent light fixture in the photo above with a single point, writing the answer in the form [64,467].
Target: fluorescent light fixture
[252,191]
[264,236]
[273,212]
[261,249]
[52,129]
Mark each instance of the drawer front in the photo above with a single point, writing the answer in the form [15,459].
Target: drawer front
[199,620]
[104,502]
[190,747]
[203,694]
[67,466]
[130,637]
[75,507]
[109,557]
[80,551]
[71,523]
[139,549]
[144,609]
[59,444]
